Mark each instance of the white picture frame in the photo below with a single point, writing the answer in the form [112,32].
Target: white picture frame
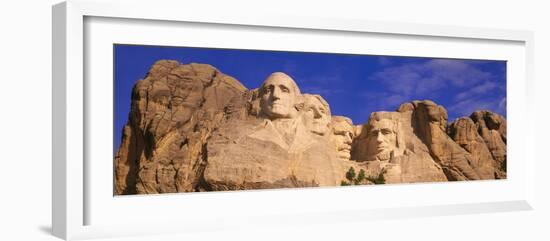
[76,190]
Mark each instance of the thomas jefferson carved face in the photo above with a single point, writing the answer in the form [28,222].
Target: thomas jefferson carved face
[342,128]
[316,114]
[382,139]
[278,96]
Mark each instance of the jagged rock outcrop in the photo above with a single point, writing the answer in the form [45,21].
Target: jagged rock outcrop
[485,144]
[173,112]
[492,128]
[193,128]
[429,122]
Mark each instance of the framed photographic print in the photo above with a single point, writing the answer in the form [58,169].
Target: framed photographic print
[209,122]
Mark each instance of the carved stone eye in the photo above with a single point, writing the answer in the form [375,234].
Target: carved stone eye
[285,89]
[267,90]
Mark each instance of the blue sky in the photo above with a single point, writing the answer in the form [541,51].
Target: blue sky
[353,85]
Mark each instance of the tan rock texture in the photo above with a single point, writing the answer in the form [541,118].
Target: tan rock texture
[483,135]
[192,128]
[429,122]
[173,112]
[283,145]
[410,160]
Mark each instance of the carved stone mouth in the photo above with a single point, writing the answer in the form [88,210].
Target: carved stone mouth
[344,148]
[381,148]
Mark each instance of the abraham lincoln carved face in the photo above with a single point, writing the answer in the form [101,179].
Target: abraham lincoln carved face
[382,138]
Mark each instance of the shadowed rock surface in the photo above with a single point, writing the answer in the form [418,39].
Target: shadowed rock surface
[193,128]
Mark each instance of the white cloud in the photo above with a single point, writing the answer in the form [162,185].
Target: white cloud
[468,106]
[502,106]
[312,84]
[436,78]
[425,77]
[477,90]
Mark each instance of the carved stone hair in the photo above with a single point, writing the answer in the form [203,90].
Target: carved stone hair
[339,118]
[307,100]
[278,75]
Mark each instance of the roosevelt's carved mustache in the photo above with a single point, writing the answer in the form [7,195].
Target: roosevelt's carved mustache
[344,148]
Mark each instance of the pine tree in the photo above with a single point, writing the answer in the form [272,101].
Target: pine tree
[350,175]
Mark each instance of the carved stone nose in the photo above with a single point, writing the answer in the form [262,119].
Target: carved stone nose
[276,92]
[317,114]
[348,139]
[379,137]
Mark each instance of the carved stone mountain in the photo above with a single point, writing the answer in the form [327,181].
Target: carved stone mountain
[193,128]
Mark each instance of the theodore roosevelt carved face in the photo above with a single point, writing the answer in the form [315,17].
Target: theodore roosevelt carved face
[342,129]
[278,96]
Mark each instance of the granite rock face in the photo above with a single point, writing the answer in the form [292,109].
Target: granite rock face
[193,128]
[419,146]
[492,128]
[388,145]
[429,121]
[483,135]
[173,112]
[283,141]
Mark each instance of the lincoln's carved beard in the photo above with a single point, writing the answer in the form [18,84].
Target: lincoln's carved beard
[385,156]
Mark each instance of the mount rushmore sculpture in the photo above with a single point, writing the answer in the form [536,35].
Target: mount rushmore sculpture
[192,128]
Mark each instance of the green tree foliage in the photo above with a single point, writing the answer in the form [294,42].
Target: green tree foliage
[379,179]
[353,178]
[358,179]
[350,175]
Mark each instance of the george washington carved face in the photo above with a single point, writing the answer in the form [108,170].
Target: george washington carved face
[278,96]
